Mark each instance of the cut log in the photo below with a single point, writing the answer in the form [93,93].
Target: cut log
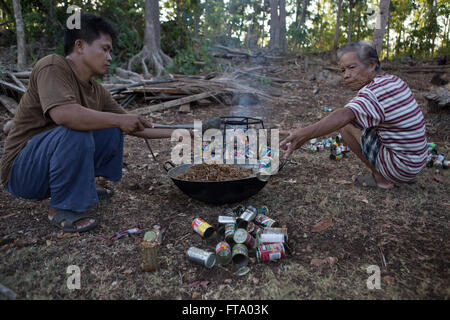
[9,103]
[185,108]
[171,104]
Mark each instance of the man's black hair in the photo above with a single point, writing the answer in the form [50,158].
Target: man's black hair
[90,28]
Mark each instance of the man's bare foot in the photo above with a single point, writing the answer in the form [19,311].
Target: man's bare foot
[79,224]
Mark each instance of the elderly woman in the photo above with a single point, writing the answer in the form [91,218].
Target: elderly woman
[382,124]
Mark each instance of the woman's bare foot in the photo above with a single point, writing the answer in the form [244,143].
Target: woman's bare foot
[382,182]
[374,180]
[79,224]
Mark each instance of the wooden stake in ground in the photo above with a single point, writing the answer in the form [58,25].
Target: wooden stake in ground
[150,252]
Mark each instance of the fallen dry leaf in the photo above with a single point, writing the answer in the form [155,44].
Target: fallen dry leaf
[63,235]
[317,262]
[127,271]
[275,181]
[25,242]
[322,225]
[332,260]
[361,198]
[343,182]
[389,202]
[389,280]
[323,202]
[196,295]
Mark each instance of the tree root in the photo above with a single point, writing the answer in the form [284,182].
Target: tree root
[156,60]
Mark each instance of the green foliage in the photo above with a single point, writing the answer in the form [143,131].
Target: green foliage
[417,27]
[193,60]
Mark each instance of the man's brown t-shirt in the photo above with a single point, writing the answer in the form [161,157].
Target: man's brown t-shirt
[52,83]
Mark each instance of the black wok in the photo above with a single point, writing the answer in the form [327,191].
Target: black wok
[216,192]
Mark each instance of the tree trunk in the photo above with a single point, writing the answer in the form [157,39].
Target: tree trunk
[151,52]
[20,31]
[283,41]
[387,41]
[336,31]
[380,27]
[302,20]
[278,26]
[350,20]
[274,42]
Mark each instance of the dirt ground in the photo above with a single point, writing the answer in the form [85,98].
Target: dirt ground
[404,232]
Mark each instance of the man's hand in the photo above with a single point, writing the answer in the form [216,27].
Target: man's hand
[294,140]
[130,123]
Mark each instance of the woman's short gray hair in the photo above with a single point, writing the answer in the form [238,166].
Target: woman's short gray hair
[367,54]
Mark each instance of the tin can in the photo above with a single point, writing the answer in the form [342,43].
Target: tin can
[240,255]
[282,230]
[223,253]
[263,210]
[445,164]
[240,235]
[335,157]
[248,215]
[270,252]
[272,238]
[226,220]
[437,163]
[229,232]
[238,210]
[265,221]
[202,228]
[203,257]
[253,229]
[229,212]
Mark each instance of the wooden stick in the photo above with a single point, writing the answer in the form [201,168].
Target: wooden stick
[12,87]
[173,103]
[9,103]
[19,83]
[24,74]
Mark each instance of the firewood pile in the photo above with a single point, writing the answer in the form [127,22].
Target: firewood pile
[174,91]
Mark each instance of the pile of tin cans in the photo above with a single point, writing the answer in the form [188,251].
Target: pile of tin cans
[336,146]
[435,159]
[240,230]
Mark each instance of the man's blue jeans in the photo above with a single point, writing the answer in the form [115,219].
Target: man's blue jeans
[62,164]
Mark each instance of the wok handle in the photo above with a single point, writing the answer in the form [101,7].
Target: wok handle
[165,165]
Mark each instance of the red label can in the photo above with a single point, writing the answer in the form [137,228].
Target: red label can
[270,252]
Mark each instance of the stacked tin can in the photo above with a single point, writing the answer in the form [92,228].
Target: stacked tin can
[242,229]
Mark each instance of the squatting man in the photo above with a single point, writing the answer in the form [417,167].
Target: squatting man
[68,129]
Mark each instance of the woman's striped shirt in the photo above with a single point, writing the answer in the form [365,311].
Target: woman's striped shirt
[387,104]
